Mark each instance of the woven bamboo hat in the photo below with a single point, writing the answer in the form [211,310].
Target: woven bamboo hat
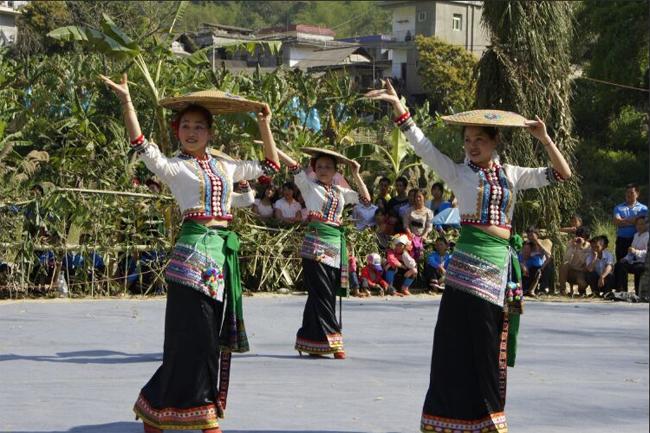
[313,151]
[494,118]
[215,101]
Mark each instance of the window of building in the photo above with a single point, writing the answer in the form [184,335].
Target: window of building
[457,22]
[422,16]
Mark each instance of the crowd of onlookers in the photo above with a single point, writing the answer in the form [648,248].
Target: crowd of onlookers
[413,246]
[413,229]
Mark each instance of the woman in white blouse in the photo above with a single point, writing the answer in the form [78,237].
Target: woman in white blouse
[263,206]
[202,274]
[324,252]
[471,345]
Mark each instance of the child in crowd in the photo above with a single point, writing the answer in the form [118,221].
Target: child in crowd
[398,259]
[574,224]
[600,266]
[435,268]
[354,275]
[371,275]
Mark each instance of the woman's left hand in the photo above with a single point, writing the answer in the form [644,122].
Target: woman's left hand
[354,166]
[537,129]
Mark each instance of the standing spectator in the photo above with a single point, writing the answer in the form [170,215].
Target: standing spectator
[383,196]
[398,260]
[574,268]
[536,261]
[371,275]
[600,266]
[418,223]
[385,229]
[624,218]
[574,224]
[288,209]
[396,203]
[435,268]
[363,215]
[634,261]
[263,206]
[438,203]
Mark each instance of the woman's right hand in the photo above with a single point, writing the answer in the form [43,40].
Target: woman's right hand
[387,94]
[121,90]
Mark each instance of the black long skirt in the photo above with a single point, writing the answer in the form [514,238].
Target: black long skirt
[468,366]
[320,333]
[183,393]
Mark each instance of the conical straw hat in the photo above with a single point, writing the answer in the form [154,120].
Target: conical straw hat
[215,101]
[494,118]
[313,151]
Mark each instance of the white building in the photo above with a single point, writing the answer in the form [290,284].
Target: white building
[8,16]
[455,22]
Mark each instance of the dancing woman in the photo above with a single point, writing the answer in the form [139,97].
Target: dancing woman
[203,317]
[470,350]
[324,253]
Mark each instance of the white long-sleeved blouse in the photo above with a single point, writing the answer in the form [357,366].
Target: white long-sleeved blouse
[202,188]
[485,196]
[324,202]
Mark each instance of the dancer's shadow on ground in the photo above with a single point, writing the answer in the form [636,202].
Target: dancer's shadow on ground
[87,357]
[136,427]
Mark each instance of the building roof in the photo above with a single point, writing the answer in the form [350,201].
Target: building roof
[396,4]
[229,29]
[335,56]
[299,28]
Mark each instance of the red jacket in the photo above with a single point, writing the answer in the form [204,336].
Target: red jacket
[373,276]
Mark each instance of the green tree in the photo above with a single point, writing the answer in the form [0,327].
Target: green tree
[526,70]
[447,73]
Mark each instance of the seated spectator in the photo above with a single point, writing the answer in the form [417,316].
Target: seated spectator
[263,206]
[438,202]
[363,215]
[304,212]
[418,223]
[574,224]
[600,266]
[371,275]
[399,260]
[288,209]
[634,261]
[383,195]
[574,268]
[536,263]
[354,277]
[435,268]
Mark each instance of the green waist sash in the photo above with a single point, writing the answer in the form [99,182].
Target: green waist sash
[221,246]
[323,242]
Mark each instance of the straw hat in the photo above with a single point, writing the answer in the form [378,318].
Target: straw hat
[313,151]
[494,118]
[215,101]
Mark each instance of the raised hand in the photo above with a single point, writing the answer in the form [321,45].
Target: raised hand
[387,94]
[264,116]
[354,166]
[121,89]
[537,129]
